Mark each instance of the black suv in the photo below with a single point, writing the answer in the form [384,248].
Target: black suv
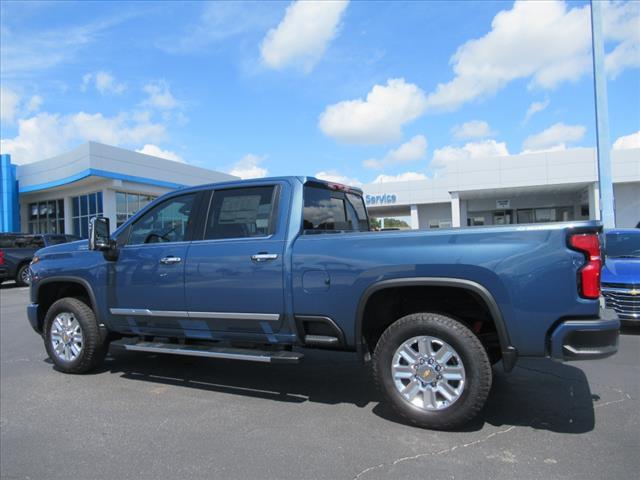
[16,252]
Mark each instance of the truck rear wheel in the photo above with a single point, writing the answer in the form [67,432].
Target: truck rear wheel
[433,370]
[72,337]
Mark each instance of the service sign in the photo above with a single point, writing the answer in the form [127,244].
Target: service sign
[503,204]
[383,199]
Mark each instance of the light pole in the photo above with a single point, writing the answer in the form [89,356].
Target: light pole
[607,212]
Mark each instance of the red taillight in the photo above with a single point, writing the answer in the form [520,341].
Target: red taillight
[589,275]
[1,257]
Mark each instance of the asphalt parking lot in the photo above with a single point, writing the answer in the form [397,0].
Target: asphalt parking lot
[150,416]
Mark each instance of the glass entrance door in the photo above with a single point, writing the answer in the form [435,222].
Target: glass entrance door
[502,217]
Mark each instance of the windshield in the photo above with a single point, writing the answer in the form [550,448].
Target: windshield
[623,245]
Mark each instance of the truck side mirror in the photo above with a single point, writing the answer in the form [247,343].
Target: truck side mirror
[99,235]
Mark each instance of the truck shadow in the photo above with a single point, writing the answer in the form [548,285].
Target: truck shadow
[540,394]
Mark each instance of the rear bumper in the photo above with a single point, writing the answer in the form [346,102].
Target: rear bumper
[586,339]
[32,315]
[4,273]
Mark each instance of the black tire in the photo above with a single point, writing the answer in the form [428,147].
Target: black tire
[21,278]
[94,346]
[470,350]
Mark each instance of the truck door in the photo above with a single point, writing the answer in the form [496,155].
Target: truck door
[234,275]
[146,286]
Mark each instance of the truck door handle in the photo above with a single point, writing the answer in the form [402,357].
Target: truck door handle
[264,257]
[170,260]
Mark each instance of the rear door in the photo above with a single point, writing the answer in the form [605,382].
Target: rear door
[234,275]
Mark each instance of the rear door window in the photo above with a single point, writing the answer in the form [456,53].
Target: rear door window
[7,241]
[242,213]
[29,241]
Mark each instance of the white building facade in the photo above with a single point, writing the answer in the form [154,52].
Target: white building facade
[529,188]
[61,194]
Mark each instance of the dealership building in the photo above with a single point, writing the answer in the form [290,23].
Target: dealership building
[553,186]
[61,194]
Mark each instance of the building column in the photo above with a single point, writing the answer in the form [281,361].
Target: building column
[9,196]
[68,214]
[455,209]
[463,213]
[24,216]
[594,201]
[414,217]
[109,207]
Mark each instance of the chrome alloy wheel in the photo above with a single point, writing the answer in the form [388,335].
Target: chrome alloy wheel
[428,373]
[25,276]
[66,336]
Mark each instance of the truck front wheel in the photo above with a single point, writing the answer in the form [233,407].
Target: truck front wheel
[72,337]
[433,370]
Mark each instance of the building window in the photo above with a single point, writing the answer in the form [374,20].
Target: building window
[439,223]
[127,204]
[584,211]
[475,221]
[544,215]
[85,207]
[46,217]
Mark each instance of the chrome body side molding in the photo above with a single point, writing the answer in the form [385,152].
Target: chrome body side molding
[145,312]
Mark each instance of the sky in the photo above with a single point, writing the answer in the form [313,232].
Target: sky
[355,92]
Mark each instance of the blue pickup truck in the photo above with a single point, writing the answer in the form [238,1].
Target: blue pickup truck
[252,270]
[621,274]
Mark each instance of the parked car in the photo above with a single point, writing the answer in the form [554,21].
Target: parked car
[621,274]
[16,252]
[248,270]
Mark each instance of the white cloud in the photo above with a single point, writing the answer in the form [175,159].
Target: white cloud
[13,105]
[403,177]
[303,35]
[38,137]
[249,167]
[472,129]
[414,149]
[627,141]
[554,138]
[545,42]
[104,83]
[9,104]
[218,22]
[156,151]
[535,107]
[160,96]
[621,23]
[34,103]
[46,134]
[445,156]
[337,177]
[377,119]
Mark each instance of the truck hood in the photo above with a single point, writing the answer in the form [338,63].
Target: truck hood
[68,247]
[621,270]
